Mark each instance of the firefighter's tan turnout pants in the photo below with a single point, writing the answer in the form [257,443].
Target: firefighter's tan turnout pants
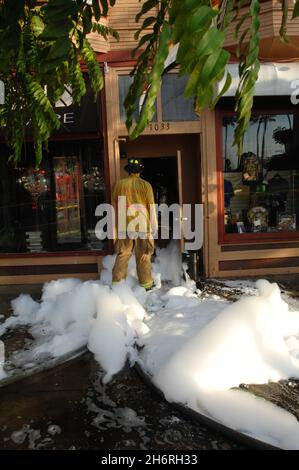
[144,248]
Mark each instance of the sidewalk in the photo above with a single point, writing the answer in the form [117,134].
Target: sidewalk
[68,408]
[20,338]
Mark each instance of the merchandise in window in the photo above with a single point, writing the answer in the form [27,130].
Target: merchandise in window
[261,187]
[52,208]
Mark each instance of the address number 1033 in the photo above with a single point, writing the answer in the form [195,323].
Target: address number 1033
[159,126]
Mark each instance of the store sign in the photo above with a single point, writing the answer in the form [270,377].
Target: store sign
[74,118]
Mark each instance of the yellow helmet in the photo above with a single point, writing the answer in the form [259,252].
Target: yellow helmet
[134,166]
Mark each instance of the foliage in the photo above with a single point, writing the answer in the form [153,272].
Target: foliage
[42,49]
[199,28]
[281,135]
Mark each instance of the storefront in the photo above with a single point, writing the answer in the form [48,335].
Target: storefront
[251,205]
[47,215]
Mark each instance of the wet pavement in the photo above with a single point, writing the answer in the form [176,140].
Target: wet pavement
[287,283]
[68,408]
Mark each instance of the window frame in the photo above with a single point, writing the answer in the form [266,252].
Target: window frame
[237,238]
[71,253]
[158,127]
[101,134]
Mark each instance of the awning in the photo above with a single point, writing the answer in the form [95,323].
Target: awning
[171,58]
[275,79]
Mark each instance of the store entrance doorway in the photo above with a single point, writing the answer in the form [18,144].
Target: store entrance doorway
[162,174]
[172,164]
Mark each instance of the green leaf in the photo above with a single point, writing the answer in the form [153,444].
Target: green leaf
[87,19]
[199,19]
[105,31]
[95,74]
[191,87]
[187,23]
[241,47]
[211,41]
[37,24]
[248,69]
[105,8]
[60,49]
[142,41]
[240,24]
[147,6]
[296,10]
[201,82]
[54,10]
[55,30]
[284,20]
[96,9]
[147,22]
[226,86]
[214,65]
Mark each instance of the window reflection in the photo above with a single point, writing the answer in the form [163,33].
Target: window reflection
[124,82]
[175,107]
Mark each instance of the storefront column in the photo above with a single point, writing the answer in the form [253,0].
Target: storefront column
[111,87]
[209,193]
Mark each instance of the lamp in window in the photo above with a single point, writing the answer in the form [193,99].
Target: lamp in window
[94,180]
[35,182]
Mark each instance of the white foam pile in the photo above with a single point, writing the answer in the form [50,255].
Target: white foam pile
[73,313]
[196,348]
[2,361]
[254,340]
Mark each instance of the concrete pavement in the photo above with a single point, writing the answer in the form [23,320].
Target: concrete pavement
[68,407]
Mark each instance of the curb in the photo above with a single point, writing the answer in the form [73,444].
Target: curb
[40,368]
[230,433]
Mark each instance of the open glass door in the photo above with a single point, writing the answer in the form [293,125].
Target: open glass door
[180,194]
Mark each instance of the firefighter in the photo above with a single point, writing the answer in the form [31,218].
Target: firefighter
[139,207]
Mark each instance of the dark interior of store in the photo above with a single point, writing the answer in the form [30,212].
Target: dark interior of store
[161,172]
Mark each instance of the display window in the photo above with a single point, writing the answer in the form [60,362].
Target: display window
[260,187]
[52,208]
